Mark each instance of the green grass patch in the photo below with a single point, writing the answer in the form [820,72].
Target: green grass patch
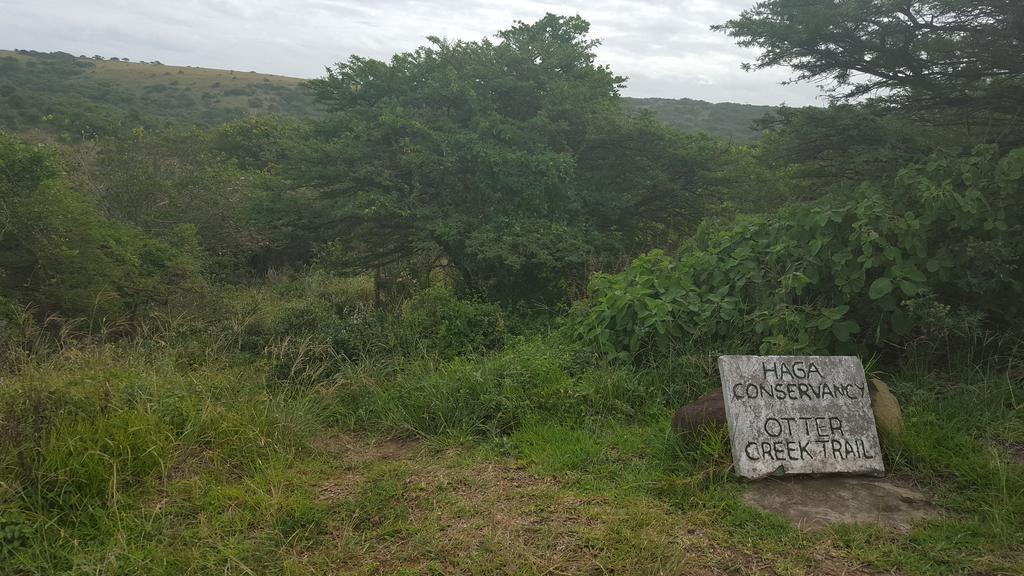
[141,459]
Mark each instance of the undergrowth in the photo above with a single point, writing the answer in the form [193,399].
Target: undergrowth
[190,448]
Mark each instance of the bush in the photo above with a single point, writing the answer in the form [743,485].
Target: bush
[15,530]
[893,264]
[59,253]
[159,181]
[438,322]
[306,325]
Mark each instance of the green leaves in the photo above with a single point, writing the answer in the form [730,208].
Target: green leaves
[514,163]
[843,330]
[874,270]
[58,252]
[950,58]
[879,288]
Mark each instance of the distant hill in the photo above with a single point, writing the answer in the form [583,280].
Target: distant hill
[79,96]
[728,120]
[87,96]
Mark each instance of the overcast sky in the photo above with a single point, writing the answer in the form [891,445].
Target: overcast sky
[664,47]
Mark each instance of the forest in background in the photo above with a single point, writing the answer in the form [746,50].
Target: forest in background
[482,247]
[77,96]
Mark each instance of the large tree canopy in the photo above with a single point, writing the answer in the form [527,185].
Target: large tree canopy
[512,161]
[966,55]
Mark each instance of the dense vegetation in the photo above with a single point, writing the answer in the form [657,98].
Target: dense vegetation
[441,325]
[80,97]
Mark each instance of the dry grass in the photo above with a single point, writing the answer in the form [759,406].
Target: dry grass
[460,512]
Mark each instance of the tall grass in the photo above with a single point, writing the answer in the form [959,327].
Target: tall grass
[83,437]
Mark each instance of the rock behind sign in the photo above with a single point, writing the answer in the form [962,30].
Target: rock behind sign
[708,410]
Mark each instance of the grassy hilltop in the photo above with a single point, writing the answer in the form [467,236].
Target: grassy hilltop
[87,96]
[80,95]
[725,119]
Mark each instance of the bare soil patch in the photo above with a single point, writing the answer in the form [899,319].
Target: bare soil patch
[1014,452]
[360,450]
[341,487]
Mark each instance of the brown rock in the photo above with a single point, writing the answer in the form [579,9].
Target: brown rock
[888,416]
[708,410]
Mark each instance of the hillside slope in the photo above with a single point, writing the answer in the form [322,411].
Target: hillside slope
[726,119]
[80,97]
[89,96]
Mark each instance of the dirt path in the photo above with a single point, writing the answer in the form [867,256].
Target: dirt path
[405,508]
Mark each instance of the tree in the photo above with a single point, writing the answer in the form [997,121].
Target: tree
[511,161]
[820,149]
[958,56]
[159,181]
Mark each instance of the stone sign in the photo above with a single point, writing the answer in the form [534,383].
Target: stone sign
[799,415]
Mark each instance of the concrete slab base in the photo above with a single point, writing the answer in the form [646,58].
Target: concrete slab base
[815,502]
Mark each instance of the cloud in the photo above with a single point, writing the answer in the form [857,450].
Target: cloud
[664,47]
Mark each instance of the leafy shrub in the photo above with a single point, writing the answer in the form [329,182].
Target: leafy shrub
[164,181]
[874,270]
[258,142]
[59,253]
[437,321]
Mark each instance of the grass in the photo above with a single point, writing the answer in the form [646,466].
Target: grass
[218,89]
[195,453]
